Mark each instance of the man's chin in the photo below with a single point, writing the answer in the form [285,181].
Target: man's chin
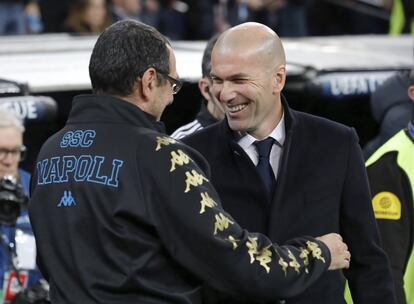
[236,126]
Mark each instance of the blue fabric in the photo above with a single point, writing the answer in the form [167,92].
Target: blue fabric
[263,166]
[11,19]
[411,129]
[8,236]
[25,181]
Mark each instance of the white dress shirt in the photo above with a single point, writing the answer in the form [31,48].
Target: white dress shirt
[278,134]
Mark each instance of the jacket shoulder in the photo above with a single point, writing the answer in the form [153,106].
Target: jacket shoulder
[319,124]
[205,138]
[164,146]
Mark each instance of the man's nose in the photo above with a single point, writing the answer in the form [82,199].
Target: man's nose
[226,92]
[9,159]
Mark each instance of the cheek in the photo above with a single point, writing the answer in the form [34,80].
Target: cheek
[215,90]
[167,98]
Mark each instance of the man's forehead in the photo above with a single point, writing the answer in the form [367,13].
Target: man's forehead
[235,65]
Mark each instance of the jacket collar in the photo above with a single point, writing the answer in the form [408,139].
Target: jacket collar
[204,117]
[105,108]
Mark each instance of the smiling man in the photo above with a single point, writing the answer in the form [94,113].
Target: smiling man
[286,173]
[123,213]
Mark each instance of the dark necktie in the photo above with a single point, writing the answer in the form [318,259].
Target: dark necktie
[263,166]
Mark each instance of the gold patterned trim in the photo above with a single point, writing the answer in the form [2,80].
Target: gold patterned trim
[164,140]
[222,222]
[193,178]
[315,250]
[206,201]
[178,158]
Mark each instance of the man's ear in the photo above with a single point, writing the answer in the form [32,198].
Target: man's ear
[204,86]
[279,78]
[148,83]
[411,92]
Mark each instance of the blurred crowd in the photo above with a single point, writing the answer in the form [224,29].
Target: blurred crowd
[200,19]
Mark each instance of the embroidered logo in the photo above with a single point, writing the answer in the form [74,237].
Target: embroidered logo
[67,200]
[252,248]
[233,241]
[222,223]
[315,250]
[293,262]
[304,255]
[263,256]
[178,158]
[164,141]
[386,206]
[194,179]
[206,201]
[284,265]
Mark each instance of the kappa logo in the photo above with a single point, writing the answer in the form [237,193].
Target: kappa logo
[67,200]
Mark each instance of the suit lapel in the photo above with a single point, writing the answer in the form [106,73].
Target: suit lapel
[287,203]
[246,171]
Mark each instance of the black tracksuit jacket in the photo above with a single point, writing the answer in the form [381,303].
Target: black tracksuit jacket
[125,214]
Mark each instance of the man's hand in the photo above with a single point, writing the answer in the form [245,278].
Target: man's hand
[340,256]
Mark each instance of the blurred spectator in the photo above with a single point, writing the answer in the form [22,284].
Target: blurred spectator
[19,17]
[88,16]
[125,9]
[32,18]
[221,22]
[54,14]
[350,17]
[402,17]
[238,11]
[173,19]
[151,13]
[200,19]
[11,17]
[288,17]
[391,108]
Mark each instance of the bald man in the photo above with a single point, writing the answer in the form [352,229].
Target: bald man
[310,181]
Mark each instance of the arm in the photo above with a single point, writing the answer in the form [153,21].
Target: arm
[390,183]
[369,274]
[206,240]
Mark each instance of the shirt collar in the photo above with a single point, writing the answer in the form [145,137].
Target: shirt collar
[278,134]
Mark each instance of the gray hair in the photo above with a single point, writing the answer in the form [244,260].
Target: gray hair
[9,120]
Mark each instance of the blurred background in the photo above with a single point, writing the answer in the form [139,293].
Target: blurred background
[338,53]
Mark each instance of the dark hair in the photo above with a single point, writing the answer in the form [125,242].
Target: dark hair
[206,62]
[122,53]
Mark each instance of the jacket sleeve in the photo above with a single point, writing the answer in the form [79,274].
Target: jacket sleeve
[389,183]
[369,275]
[207,241]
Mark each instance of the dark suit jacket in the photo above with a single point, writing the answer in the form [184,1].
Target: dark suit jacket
[321,188]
